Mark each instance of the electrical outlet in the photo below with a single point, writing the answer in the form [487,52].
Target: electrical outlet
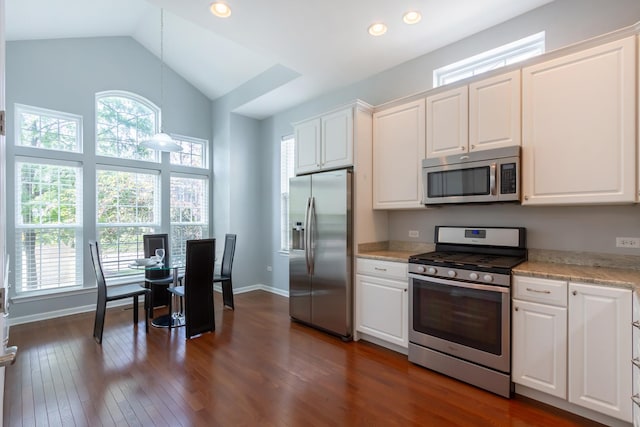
[628,242]
[414,233]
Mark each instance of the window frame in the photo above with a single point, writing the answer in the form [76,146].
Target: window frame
[286,173]
[477,64]
[19,109]
[20,227]
[157,113]
[179,256]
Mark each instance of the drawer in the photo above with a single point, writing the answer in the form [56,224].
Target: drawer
[545,291]
[385,269]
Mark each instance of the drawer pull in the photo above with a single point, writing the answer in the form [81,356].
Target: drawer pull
[379,269]
[539,292]
[636,399]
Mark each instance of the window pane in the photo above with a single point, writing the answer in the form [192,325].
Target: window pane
[48,226]
[189,213]
[48,129]
[50,258]
[193,152]
[287,167]
[121,125]
[120,246]
[127,208]
[127,198]
[510,53]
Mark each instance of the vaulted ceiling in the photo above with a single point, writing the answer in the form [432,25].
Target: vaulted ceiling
[294,50]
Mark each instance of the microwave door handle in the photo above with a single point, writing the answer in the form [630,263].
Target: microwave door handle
[492,179]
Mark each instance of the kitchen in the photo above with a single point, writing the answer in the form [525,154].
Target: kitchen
[551,228]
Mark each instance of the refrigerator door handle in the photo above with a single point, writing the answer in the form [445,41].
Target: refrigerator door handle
[306,234]
[311,234]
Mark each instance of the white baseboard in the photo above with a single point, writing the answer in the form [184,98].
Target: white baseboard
[90,308]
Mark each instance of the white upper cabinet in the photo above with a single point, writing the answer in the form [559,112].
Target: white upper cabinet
[579,127]
[307,144]
[483,115]
[398,150]
[448,122]
[494,112]
[325,142]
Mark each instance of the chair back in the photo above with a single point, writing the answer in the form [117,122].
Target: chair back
[198,292]
[151,242]
[227,256]
[97,267]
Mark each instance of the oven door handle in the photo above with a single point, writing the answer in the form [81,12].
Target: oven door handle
[493,288]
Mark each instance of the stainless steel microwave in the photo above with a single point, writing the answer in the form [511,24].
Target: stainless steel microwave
[479,177]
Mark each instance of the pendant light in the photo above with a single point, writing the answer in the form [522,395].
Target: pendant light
[161,141]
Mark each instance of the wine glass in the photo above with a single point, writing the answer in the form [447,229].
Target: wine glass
[160,254]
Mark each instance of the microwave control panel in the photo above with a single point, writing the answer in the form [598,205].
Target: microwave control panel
[508,182]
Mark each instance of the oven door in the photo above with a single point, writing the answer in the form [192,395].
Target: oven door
[465,320]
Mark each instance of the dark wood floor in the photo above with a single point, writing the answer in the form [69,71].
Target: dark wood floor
[257,369]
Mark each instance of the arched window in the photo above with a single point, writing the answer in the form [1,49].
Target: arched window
[123,121]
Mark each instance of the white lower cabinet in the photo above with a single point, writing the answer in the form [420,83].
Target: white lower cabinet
[574,341]
[599,349]
[382,301]
[540,335]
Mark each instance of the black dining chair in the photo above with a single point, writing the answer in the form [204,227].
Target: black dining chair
[197,291]
[106,294]
[225,270]
[157,280]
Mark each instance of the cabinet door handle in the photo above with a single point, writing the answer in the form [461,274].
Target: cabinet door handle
[539,292]
[516,308]
[574,293]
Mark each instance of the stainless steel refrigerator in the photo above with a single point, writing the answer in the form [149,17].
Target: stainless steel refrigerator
[320,256]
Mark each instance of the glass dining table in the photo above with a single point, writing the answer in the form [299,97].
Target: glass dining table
[174,319]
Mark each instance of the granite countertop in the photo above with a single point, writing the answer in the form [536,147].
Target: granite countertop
[621,271]
[395,251]
[607,276]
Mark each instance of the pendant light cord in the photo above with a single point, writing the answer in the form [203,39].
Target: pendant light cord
[161,67]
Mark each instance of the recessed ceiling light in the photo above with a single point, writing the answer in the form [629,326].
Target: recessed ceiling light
[377,29]
[220,9]
[412,17]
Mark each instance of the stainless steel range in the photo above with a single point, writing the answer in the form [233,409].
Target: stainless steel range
[459,304]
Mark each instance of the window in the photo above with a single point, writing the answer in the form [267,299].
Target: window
[123,121]
[52,130]
[287,151]
[189,214]
[127,207]
[508,54]
[48,220]
[193,152]
[50,169]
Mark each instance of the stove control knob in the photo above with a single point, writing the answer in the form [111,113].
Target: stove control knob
[432,270]
[421,269]
[488,278]
[473,276]
[451,273]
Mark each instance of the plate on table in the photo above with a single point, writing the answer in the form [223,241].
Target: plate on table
[146,262]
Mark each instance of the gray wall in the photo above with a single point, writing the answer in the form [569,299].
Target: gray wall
[64,75]
[569,228]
